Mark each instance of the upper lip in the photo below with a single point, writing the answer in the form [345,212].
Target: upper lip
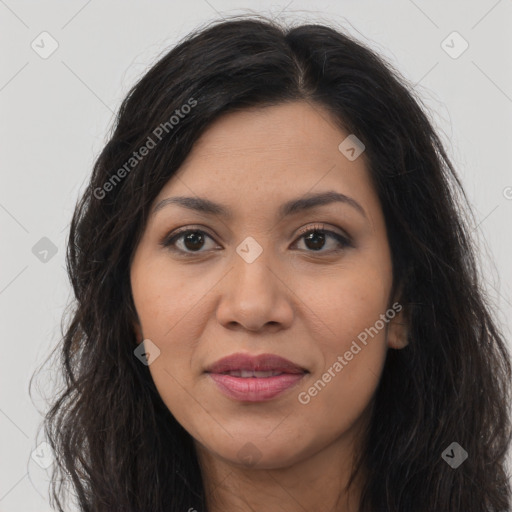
[262,362]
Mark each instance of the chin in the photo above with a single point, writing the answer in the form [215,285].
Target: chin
[258,452]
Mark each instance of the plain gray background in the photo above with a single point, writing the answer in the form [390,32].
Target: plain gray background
[56,111]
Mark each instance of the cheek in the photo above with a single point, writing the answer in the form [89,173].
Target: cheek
[351,336]
[169,307]
[335,400]
[166,297]
[344,302]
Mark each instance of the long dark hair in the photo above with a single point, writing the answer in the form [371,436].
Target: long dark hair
[116,443]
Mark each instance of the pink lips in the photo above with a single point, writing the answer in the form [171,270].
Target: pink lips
[257,388]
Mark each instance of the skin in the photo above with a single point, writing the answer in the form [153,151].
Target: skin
[305,305]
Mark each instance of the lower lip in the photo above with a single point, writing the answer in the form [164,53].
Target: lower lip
[254,389]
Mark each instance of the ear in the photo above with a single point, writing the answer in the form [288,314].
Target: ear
[137,329]
[133,318]
[398,327]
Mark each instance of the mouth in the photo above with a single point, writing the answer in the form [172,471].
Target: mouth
[259,378]
[246,374]
[260,366]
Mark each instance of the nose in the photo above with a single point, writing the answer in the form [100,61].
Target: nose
[255,295]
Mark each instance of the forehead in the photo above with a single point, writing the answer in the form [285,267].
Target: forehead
[288,132]
[258,156]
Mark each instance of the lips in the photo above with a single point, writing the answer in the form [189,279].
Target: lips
[261,366]
[246,378]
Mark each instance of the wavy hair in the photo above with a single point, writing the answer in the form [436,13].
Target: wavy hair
[118,447]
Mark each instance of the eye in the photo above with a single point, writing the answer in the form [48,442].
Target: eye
[316,236]
[190,241]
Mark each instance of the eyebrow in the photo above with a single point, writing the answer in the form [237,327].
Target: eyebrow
[306,202]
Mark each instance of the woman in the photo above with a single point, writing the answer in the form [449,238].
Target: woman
[277,300]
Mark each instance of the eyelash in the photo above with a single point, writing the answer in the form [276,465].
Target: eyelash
[169,241]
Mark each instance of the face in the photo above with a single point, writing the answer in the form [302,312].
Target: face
[309,283]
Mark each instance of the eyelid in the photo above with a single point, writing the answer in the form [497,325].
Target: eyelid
[322,227]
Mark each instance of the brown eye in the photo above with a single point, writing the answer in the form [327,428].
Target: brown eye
[315,240]
[193,240]
[190,241]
